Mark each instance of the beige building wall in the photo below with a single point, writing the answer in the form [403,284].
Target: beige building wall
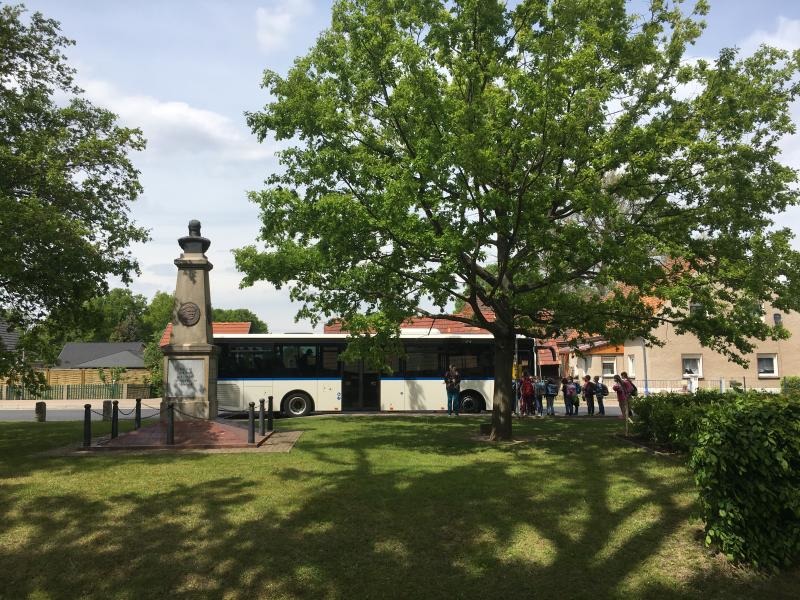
[605,362]
[665,364]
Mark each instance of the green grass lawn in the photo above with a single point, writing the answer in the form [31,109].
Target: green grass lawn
[363,507]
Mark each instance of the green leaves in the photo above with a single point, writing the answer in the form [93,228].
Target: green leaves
[66,182]
[560,163]
[746,464]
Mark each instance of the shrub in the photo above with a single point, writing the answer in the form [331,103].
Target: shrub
[746,462]
[791,386]
[673,420]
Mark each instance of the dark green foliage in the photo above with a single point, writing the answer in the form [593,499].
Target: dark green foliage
[746,463]
[672,420]
[791,386]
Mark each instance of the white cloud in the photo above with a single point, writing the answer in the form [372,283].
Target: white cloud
[173,127]
[786,36]
[275,23]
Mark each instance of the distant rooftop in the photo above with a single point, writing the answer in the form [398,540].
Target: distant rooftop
[93,355]
[236,327]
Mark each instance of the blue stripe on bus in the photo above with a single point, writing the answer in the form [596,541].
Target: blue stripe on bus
[434,379]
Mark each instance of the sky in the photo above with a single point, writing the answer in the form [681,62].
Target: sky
[185,72]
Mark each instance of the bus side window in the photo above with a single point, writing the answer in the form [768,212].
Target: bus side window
[330,361]
[307,361]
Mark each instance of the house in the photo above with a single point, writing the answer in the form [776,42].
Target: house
[81,363]
[681,358]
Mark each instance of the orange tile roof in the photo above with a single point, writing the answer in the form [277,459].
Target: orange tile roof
[233,327]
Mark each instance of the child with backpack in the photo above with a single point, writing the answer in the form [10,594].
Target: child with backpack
[569,390]
[601,391]
[526,392]
[550,393]
[540,391]
[589,392]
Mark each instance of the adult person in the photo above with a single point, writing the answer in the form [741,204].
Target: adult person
[589,392]
[550,394]
[601,391]
[452,382]
[622,396]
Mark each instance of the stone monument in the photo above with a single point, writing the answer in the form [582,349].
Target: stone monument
[190,359]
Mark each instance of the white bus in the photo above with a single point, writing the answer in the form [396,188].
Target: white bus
[304,373]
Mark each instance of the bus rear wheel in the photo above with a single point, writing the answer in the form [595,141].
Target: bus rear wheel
[471,402]
[297,404]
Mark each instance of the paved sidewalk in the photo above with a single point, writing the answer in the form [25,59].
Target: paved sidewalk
[74,404]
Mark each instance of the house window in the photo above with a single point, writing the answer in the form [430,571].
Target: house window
[609,366]
[697,309]
[631,365]
[767,365]
[692,364]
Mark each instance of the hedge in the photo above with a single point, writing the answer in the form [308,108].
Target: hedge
[673,420]
[746,462]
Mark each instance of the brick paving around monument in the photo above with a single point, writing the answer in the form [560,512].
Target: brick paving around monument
[203,436]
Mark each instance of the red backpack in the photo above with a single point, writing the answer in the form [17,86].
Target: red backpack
[527,387]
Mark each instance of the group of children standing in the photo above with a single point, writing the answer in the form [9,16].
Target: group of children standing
[532,390]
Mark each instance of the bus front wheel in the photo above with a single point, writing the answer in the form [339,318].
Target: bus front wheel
[297,404]
[471,402]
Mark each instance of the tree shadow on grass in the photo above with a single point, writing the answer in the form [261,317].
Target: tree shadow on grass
[566,519]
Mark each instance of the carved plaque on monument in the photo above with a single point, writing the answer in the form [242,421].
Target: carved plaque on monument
[186,377]
[189,313]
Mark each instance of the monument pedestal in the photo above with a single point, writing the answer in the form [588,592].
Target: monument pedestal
[190,359]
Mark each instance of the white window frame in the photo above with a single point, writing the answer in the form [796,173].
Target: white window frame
[774,374]
[631,365]
[604,360]
[699,358]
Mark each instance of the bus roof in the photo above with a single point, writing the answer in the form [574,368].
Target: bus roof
[344,336]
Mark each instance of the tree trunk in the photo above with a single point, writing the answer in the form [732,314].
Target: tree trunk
[503,361]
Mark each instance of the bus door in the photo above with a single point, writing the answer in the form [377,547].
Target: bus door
[360,387]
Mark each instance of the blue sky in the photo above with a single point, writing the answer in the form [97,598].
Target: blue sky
[185,72]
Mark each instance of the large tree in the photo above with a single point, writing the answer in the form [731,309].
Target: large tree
[66,182]
[571,145]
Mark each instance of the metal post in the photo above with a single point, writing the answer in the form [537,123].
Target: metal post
[137,415]
[269,414]
[115,419]
[251,429]
[87,425]
[262,428]
[170,424]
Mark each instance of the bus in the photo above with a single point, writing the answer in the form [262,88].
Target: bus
[305,373]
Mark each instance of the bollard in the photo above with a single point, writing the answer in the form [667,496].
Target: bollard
[270,416]
[262,429]
[106,410]
[87,425]
[137,416]
[170,424]
[251,429]
[115,419]
[41,412]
